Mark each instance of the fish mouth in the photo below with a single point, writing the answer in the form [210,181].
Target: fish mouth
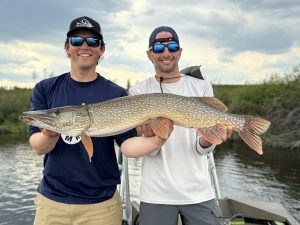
[40,118]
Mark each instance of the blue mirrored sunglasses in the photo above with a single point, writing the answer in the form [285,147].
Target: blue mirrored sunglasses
[160,48]
[78,41]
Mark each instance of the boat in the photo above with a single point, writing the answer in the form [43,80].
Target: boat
[234,211]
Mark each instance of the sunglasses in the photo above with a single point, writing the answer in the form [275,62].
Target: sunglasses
[91,41]
[160,48]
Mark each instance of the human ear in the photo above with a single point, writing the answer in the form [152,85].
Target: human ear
[149,56]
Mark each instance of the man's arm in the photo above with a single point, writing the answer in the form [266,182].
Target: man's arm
[147,143]
[43,142]
[140,146]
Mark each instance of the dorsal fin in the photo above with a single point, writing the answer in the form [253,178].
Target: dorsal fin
[213,102]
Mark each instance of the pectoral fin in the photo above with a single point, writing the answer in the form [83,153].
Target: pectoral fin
[161,127]
[88,145]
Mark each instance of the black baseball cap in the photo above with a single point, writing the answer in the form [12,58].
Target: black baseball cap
[153,40]
[85,23]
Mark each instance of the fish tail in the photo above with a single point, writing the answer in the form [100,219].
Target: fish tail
[253,127]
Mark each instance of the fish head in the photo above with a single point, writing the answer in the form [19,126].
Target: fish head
[64,120]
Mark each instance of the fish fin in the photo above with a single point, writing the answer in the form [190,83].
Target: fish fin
[88,145]
[214,137]
[213,102]
[160,127]
[252,128]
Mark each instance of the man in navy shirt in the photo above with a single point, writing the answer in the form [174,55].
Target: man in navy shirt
[73,189]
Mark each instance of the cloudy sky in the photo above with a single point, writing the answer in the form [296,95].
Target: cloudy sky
[235,41]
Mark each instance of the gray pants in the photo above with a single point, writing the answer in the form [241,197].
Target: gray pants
[204,213]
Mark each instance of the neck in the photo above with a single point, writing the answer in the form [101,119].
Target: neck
[168,78]
[83,75]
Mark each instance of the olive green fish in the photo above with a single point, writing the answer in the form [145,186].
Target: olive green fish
[121,114]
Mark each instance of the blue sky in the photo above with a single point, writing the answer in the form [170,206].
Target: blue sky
[236,42]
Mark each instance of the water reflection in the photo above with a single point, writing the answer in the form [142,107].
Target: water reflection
[242,173]
[20,173]
[274,176]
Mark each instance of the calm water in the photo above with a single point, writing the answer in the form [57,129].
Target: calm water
[273,176]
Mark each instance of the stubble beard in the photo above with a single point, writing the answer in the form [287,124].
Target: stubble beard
[167,69]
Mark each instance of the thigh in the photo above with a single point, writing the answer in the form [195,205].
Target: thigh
[205,213]
[49,212]
[108,212]
[158,214]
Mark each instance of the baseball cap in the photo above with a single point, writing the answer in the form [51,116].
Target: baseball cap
[85,23]
[153,40]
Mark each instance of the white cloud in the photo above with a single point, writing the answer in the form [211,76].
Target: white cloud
[234,41]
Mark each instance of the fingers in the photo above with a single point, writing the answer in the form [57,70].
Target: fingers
[217,133]
[149,131]
[49,133]
[224,131]
[145,130]
[229,132]
[139,130]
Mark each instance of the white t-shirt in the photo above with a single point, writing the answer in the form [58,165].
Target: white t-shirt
[177,174]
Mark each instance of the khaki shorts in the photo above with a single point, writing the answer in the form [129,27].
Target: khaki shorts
[49,212]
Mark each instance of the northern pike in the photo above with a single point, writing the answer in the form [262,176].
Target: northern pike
[122,114]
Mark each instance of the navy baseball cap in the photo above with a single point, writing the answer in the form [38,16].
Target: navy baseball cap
[85,23]
[153,40]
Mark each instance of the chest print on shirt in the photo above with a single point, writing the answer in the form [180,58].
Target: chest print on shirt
[70,140]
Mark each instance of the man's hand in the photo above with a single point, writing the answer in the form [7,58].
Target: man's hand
[161,126]
[145,130]
[43,142]
[151,140]
[214,135]
[49,133]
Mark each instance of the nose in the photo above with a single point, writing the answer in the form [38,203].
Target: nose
[85,44]
[166,51]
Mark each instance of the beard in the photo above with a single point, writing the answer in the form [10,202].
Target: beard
[167,69]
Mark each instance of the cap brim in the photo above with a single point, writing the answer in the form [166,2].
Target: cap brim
[71,32]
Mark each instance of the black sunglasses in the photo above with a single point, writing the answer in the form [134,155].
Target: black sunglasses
[91,41]
[160,48]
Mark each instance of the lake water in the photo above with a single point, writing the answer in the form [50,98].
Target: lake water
[274,176]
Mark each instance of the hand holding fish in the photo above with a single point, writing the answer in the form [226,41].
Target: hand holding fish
[152,136]
[49,133]
[214,135]
[43,142]
[146,129]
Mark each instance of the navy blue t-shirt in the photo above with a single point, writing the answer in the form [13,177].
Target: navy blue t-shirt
[68,176]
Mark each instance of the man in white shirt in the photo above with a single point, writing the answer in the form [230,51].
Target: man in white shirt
[175,178]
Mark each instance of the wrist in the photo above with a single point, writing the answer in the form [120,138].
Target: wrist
[159,142]
[204,143]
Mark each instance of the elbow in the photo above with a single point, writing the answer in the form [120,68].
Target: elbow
[37,152]
[126,149]
[129,154]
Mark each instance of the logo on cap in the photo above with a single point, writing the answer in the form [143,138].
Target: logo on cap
[84,23]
